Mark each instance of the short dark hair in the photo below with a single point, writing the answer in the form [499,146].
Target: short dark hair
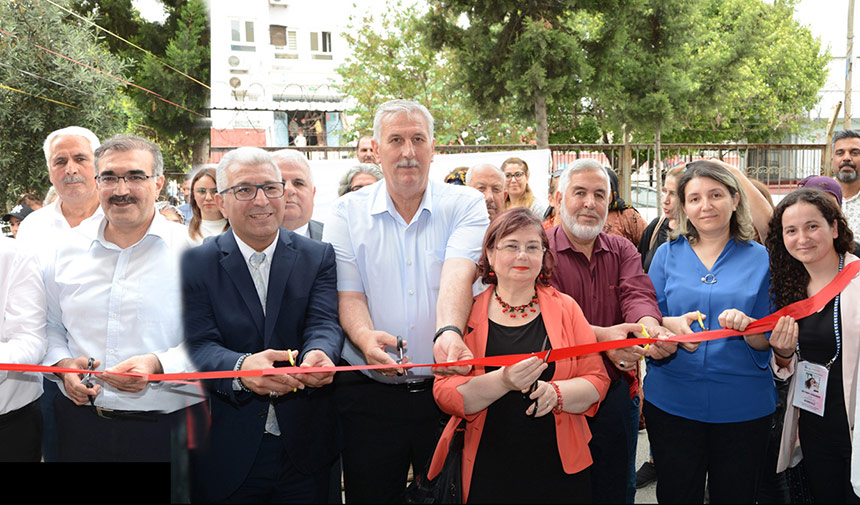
[844,134]
[511,221]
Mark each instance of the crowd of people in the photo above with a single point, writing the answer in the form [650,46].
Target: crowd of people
[112,288]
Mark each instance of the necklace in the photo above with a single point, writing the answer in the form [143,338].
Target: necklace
[507,308]
[835,323]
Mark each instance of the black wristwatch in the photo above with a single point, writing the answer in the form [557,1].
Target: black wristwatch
[446,328]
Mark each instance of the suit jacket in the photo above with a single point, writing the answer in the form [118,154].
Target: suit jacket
[223,320]
[315,229]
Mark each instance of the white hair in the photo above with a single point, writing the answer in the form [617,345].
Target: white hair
[243,156]
[481,165]
[293,156]
[394,107]
[69,131]
[583,165]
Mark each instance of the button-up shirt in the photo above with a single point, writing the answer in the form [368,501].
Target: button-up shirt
[111,304]
[42,228]
[22,331]
[398,265]
[610,287]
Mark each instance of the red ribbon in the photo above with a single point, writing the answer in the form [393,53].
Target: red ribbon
[797,310]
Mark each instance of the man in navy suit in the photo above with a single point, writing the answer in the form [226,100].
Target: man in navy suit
[256,297]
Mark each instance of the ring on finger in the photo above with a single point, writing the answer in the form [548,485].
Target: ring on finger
[622,364]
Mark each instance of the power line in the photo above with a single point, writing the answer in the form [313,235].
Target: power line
[132,44]
[37,96]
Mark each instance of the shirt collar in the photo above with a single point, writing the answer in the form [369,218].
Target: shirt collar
[157,228]
[302,230]
[562,242]
[382,201]
[247,250]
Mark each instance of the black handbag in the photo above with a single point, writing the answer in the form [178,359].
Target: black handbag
[447,487]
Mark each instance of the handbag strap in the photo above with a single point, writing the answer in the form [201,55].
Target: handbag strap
[656,232]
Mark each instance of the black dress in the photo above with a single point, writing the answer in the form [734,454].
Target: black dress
[517,459]
[825,441]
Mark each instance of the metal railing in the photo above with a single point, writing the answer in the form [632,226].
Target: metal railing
[779,166]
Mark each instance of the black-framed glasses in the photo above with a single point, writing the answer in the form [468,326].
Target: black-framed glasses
[133,180]
[245,192]
[518,175]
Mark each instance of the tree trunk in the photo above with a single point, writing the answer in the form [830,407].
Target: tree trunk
[200,150]
[658,166]
[540,118]
[626,160]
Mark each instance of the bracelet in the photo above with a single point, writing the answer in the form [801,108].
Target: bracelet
[446,328]
[239,379]
[784,357]
[559,405]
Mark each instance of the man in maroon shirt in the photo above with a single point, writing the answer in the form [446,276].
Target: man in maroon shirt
[603,273]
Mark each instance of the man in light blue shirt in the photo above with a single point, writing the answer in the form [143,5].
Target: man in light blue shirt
[406,251]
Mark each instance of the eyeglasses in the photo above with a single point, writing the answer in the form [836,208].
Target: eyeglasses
[530,249]
[244,192]
[518,175]
[134,180]
[203,191]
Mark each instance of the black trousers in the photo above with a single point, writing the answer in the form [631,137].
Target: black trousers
[732,455]
[83,436]
[610,445]
[386,429]
[21,434]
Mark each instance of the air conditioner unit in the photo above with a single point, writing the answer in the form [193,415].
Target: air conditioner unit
[238,63]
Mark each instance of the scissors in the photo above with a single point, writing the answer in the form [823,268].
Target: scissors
[87,380]
[400,349]
[532,389]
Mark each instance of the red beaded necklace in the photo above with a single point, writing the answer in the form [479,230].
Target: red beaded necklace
[507,308]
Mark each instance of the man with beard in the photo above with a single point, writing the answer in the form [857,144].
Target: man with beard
[603,273]
[490,181]
[846,156]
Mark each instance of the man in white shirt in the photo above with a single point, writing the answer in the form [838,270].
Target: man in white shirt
[114,303]
[406,250]
[69,154]
[70,159]
[22,341]
[299,191]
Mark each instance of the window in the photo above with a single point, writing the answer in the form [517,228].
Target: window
[284,41]
[321,45]
[242,35]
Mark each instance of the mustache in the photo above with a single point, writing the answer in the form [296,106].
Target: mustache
[407,164]
[847,163]
[71,179]
[122,199]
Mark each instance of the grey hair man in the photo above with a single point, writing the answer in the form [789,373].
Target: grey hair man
[490,181]
[114,305]
[845,160]
[69,154]
[603,273]
[357,177]
[299,192]
[406,251]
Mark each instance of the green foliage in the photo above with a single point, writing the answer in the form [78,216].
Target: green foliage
[93,99]
[523,55]
[390,58]
[182,42]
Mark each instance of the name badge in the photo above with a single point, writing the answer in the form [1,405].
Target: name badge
[810,387]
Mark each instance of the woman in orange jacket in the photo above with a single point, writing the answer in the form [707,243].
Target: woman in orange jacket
[526,437]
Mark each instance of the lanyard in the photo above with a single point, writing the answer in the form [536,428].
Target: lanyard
[835,323]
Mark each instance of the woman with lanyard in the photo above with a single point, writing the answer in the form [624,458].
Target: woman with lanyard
[709,407]
[809,244]
[525,423]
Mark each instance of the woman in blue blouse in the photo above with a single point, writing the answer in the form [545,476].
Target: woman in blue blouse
[709,406]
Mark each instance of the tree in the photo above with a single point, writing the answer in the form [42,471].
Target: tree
[523,55]
[390,58]
[182,43]
[43,92]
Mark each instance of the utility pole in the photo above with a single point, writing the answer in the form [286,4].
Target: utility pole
[849,64]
